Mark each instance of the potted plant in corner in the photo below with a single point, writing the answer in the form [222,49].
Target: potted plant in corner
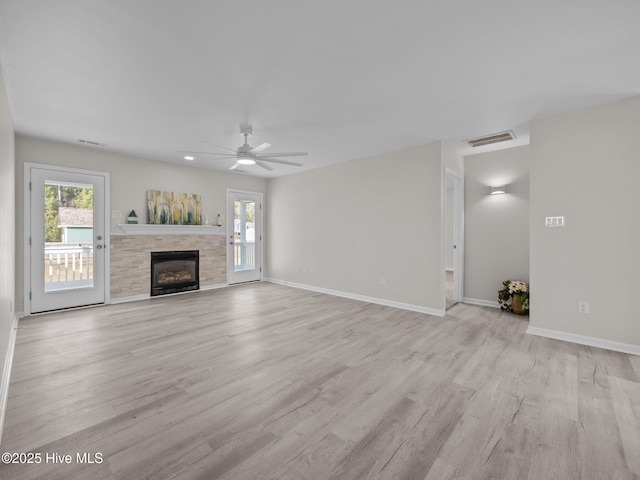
[514,297]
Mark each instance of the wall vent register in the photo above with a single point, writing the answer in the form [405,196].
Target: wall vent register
[493,138]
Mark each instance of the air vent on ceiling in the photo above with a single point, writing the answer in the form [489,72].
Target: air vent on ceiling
[89,142]
[493,138]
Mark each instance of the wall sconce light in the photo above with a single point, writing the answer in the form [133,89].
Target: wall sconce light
[498,189]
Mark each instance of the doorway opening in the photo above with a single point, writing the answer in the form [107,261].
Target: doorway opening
[454,238]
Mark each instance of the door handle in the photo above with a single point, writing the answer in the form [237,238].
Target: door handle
[98,247]
[99,237]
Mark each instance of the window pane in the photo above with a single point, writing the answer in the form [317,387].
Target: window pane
[244,235]
[68,232]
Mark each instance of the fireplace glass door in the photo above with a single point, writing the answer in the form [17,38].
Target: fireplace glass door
[174,272]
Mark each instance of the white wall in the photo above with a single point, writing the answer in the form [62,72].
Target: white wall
[451,159]
[130,179]
[496,226]
[7,243]
[344,226]
[585,165]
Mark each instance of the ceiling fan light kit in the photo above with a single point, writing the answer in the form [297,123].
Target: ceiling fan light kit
[248,155]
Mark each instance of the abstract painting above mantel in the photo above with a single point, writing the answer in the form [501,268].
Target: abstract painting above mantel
[173,208]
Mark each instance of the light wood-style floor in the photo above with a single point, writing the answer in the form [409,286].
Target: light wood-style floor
[268,382]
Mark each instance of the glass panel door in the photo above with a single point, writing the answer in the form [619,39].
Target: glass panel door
[244,257]
[67,239]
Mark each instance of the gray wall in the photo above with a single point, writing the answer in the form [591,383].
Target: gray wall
[585,166]
[344,226]
[7,243]
[496,226]
[130,179]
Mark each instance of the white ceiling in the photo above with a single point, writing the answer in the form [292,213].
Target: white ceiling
[340,79]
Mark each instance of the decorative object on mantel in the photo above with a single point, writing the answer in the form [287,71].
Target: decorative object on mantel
[219,221]
[132,218]
[173,208]
[514,297]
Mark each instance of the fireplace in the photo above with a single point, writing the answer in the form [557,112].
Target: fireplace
[174,272]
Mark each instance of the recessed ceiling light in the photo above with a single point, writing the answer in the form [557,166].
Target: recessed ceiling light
[188,157]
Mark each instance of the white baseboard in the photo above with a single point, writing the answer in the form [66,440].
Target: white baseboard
[214,287]
[584,340]
[482,303]
[362,298]
[6,374]
[133,298]
[146,296]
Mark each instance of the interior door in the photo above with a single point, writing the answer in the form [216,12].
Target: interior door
[66,238]
[244,235]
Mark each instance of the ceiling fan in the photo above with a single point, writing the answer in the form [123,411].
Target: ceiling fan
[248,155]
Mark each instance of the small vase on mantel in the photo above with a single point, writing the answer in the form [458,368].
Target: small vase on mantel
[517,303]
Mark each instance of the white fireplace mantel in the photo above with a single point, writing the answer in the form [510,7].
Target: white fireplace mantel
[146,229]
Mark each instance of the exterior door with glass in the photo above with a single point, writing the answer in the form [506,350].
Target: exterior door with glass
[244,235]
[66,238]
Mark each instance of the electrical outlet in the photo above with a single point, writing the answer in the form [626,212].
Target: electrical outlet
[583,307]
[383,281]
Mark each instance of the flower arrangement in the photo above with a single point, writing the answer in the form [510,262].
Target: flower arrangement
[514,297]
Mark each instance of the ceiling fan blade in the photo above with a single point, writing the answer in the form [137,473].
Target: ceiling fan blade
[264,165]
[285,154]
[233,167]
[261,147]
[203,153]
[220,146]
[275,160]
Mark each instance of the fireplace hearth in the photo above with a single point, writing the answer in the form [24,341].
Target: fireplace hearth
[175,272]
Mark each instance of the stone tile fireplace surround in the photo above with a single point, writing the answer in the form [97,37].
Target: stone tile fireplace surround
[131,260]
